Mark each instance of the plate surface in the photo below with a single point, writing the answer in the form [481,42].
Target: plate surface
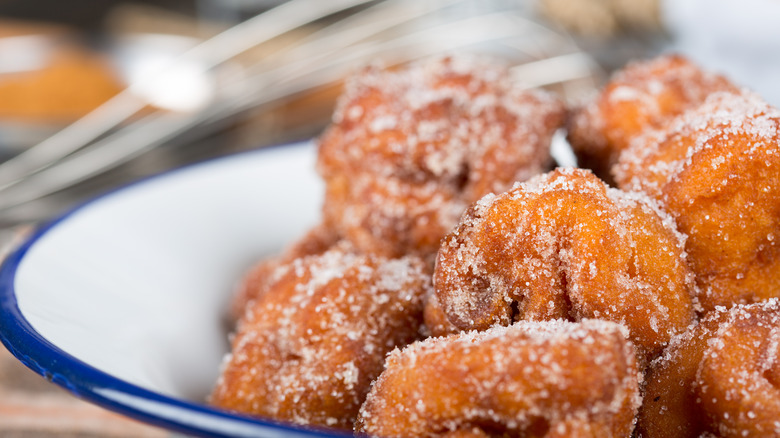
[120,301]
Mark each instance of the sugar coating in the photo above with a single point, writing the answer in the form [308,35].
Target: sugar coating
[409,149]
[313,342]
[390,216]
[714,168]
[257,279]
[722,377]
[520,380]
[642,96]
[437,114]
[722,115]
[564,245]
[436,322]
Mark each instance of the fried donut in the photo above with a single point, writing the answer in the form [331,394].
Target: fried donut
[714,169]
[720,377]
[531,379]
[316,241]
[410,149]
[435,319]
[390,216]
[318,336]
[564,245]
[642,96]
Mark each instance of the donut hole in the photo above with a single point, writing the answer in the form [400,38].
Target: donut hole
[537,427]
[515,314]
[566,294]
[462,179]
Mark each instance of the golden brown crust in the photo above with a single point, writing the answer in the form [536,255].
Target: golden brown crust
[409,149]
[435,319]
[695,221]
[390,216]
[642,96]
[714,169]
[316,241]
[720,377]
[531,379]
[564,245]
[318,336]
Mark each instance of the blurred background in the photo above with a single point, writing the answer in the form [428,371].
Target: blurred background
[235,88]
[95,94]
[170,82]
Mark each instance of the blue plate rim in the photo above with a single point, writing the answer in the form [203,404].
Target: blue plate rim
[100,388]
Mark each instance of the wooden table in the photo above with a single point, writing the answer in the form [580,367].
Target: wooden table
[32,407]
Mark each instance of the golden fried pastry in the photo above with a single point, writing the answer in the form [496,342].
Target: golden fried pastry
[318,336]
[435,319]
[410,149]
[715,170]
[316,241]
[564,245]
[644,95]
[720,378]
[389,216]
[531,379]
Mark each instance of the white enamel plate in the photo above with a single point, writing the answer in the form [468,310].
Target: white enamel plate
[121,301]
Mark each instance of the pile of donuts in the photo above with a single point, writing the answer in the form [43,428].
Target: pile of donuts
[460,285]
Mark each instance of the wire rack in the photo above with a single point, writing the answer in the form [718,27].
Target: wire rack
[285,60]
